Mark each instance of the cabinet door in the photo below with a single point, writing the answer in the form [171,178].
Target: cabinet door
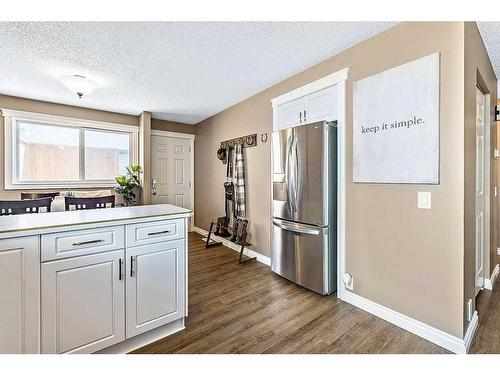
[321,105]
[155,285]
[19,295]
[83,305]
[289,114]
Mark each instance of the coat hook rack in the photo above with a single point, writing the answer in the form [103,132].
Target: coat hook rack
[246,141]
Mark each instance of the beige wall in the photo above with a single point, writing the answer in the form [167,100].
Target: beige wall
[478,72]
[407,259]
[22,104]
[172,126]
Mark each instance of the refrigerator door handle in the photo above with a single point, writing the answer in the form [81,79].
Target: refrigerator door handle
[288,173]
[295,227]
[292,173]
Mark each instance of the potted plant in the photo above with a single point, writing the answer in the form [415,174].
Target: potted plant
[129,185]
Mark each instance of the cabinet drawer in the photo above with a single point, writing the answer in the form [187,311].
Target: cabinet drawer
[82,242]
[154,232]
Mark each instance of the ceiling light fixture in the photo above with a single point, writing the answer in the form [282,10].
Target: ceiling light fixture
[78,84]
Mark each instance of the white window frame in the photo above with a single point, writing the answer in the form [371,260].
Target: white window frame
[11,117]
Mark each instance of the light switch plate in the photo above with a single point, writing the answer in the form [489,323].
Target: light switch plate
[424,200]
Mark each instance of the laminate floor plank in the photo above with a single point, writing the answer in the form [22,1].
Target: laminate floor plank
[249,309]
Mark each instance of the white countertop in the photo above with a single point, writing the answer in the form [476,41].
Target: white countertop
[51,220]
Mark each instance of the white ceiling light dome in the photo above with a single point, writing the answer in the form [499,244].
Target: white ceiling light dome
[78,84]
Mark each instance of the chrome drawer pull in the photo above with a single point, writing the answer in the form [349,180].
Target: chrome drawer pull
[162,232]
[120,270]
[132,272]
[87,242]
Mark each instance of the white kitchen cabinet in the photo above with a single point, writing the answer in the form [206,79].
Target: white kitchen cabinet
[155,285]
[291,113]
[82,242]
[63,279]
[316,101]
[321,105]
[154,232]
[20,295]
[83,303]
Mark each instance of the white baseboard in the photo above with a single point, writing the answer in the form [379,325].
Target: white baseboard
[248,252]
[471,330]
[438,337]
[488,283]
[145,338]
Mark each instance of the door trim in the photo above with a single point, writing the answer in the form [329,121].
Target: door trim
[341,185]
[191,138]
[487,187]
[165,133]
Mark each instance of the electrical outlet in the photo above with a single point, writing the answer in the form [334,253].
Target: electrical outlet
[498,251]
[348,281]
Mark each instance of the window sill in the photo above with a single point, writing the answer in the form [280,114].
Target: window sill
[60,186]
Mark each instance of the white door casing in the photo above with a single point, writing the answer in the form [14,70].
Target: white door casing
[83,303]
[481,133]
[20,291]
[172,169]
[155,285]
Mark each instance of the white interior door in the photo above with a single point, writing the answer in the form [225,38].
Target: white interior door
[171,164]
[480,189]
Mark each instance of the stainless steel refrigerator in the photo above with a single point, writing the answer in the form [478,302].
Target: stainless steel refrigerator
[304,205]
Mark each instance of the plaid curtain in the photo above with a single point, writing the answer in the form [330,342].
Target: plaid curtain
[239,181]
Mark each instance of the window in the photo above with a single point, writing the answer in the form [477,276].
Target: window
[53,152]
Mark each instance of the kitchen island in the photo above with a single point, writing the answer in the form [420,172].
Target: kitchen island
[108,280]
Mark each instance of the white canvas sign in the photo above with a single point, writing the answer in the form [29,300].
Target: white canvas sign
[396,124]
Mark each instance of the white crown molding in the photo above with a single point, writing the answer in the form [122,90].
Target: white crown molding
[437,336]
[489,283]
[314,86]
[248,252]
[165,133]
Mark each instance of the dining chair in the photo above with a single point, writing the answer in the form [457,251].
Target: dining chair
[89,203]
[26,206]
[38,195]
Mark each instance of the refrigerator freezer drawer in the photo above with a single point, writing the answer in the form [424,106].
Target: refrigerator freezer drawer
[300,254]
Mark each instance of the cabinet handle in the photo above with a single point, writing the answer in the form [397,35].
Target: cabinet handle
[305,116]
[300,116]
[132,272]
[156,233]
[120,269]
[87,242]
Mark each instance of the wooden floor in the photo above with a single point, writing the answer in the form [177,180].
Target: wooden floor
[487,338]
[249,309]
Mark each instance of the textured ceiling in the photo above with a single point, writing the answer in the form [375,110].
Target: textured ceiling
[183,71]
[490,31]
